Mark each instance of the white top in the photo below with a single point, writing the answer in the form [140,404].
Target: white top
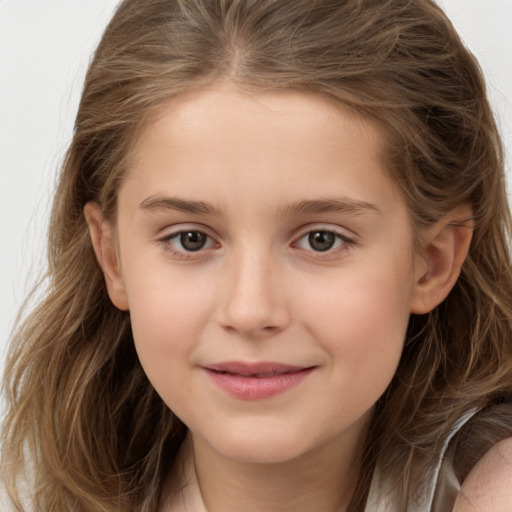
[447,485]
[380,498]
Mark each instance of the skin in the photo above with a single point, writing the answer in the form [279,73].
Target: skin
[271,169]
[488,486]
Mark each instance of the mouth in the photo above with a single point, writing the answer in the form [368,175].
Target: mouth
[256,381]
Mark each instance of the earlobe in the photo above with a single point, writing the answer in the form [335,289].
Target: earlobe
[103,242]
[445,247]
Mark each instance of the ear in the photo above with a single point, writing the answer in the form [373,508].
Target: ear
[103,242]
[445,247]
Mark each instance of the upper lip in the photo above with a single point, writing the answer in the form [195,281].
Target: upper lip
[256,368]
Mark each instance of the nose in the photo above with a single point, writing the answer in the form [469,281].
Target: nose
[253,300]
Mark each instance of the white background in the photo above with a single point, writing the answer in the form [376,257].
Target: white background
[45,46]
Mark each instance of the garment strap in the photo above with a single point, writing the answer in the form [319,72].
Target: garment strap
[446,484]
[443,488]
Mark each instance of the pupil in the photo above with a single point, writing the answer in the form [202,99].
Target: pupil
[192,240]
[321,240]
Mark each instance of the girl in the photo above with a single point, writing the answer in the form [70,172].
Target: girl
[279,275]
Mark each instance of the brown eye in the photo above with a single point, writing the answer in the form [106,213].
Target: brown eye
[193,240]
[188,244]
[321,241]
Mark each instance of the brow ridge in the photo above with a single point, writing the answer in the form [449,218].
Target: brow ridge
[310,206]
[343,205]
[156,203]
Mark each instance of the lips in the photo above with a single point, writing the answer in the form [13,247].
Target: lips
[256,381]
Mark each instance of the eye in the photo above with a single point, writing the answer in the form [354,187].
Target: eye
[188,241]
[321,240]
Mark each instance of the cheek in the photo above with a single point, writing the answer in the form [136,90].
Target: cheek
[362,326]
[166,318]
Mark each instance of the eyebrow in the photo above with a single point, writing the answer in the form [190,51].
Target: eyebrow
[155,203]
[342,205]
[312,206]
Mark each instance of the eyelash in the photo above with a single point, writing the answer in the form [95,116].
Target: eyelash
[340,243]
[183,253]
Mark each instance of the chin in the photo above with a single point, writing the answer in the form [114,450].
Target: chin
[261,453]
[258,445]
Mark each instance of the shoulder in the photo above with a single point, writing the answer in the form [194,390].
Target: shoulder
[488,486]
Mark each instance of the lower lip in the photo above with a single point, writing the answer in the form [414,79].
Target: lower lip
[258,388]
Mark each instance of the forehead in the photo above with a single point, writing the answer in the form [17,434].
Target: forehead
[225,141]
[202,112]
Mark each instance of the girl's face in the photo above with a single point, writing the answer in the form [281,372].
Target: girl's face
[267,262]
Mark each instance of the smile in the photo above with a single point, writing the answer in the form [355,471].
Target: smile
[256,381]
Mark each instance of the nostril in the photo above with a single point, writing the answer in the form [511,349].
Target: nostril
[253,331]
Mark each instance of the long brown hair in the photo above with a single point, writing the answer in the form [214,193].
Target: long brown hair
[84,426]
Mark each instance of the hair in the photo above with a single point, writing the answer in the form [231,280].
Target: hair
[84,426]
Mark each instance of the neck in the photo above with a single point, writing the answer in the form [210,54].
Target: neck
[322,480]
